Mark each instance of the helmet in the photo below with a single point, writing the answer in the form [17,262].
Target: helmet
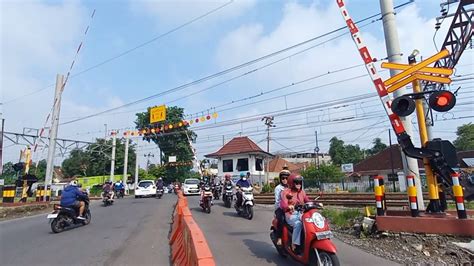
[284,174]
[294,179]
[159,178]
[73,183]
[242,174]
[227,176]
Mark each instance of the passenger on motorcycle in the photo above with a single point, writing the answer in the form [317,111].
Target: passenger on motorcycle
[71,197]
[243,182]
[291,197]
[279,213]
[107,188]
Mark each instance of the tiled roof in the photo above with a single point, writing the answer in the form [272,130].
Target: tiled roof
[381,161]
[276,165]
[236,146]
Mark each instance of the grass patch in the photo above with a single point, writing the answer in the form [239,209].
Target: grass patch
[342,218]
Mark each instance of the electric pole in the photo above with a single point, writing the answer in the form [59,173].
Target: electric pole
[53,133]
[112,163]
[136,167]
[148,159]
[410,165]
[125,159]
[269,123]
[316,149]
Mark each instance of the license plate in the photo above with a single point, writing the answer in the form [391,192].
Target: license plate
[52,215]
[324,235]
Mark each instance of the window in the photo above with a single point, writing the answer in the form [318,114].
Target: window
[191,181]
[259,164]
[243,164]
[145,184]
[227,165]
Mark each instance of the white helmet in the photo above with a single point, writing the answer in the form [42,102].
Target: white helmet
[73,183]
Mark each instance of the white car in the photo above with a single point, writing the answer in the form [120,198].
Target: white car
[191,186]
[145,188]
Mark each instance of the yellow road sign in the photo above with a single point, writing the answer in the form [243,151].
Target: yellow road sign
[157,114]
[417,67]
[432,70]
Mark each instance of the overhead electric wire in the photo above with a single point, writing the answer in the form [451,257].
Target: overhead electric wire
[132,49]
[223,72]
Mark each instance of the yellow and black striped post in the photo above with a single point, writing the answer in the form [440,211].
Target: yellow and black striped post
[38,193]
[9,194]
[378,189]
[412,197]
[458,196]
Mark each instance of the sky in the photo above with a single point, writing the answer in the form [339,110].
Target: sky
[136,49]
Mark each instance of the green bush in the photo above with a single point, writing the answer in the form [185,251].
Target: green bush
[267,188]
[342,218]
[95,191]
[353,189]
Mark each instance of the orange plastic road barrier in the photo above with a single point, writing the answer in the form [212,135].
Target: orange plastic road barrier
[188,244]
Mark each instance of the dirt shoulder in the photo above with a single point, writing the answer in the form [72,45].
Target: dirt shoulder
[13,212]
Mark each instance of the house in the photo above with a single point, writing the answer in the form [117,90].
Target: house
[466,160]
[239,155]
[306,158]
[276,165]
[380,164]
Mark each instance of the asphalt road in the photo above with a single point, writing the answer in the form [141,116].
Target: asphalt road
[130,232]
[237,241]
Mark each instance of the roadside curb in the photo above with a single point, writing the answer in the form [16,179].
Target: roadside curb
[187,241]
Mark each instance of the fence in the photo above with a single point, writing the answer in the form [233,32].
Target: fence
[363,186]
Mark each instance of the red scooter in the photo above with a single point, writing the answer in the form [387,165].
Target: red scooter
[317,247]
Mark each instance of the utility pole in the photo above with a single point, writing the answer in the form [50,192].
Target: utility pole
[112,163]
[105,134]
[410,165]
[1,146]
[53,133]
[269,124]
[125,159]
[148,159]
[136,167]
[316,149]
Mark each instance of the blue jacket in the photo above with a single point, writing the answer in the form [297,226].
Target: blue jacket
[70,195]
[242,183]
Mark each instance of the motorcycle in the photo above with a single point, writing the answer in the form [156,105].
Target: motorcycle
[120,193]
[206,199]
[317,247]
[159,193]
[107,199]
[227,196]
[246,210]
[217,191]
[64,217]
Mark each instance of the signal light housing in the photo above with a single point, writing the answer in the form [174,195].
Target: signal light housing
[403,105]
[442,101]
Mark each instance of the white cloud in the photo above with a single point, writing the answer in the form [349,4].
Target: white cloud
[179,11]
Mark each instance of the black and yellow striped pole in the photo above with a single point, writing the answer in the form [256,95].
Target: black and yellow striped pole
[9,194]
[378,190]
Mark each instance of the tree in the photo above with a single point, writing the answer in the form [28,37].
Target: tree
[326,173]
[96,159]
[378,146]
[40,171]
[172,143]
[341,154]
[9,174]
[465,139]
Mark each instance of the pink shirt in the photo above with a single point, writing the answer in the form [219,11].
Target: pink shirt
[299,198]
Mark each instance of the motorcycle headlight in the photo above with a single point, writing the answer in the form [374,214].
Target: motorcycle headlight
[317,219]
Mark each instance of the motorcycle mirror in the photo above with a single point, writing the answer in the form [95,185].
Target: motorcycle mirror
[320,205]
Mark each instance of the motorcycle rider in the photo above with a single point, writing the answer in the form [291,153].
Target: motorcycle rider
[159,183]
[205,180]
[279,213]
[291,197]
[107,188]
[243,182]
[71,197]
[119,187]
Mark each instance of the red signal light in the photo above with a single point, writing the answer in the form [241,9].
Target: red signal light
[442,101]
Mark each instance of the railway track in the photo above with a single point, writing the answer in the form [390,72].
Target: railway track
[346,199]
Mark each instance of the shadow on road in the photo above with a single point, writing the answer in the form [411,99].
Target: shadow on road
[242,233]
[266,251]
[231,214]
